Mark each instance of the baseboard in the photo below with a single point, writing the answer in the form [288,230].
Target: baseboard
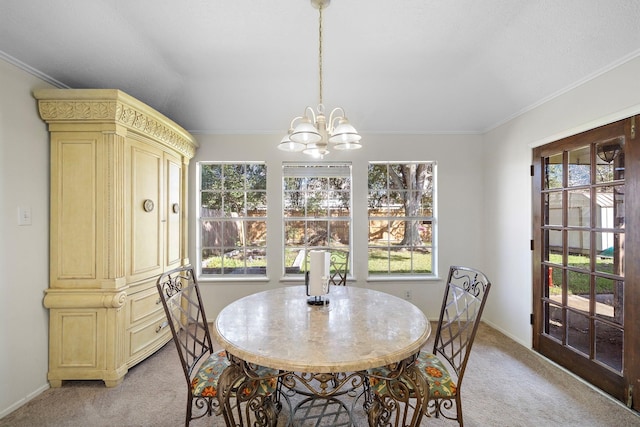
[503,332]
[24,401]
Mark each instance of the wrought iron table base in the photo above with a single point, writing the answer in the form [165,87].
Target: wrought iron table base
[243,399]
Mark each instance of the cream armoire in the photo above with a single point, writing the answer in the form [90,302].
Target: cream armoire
[118,220]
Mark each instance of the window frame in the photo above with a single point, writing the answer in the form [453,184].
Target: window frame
[431,219]
[288,272]
[249,272]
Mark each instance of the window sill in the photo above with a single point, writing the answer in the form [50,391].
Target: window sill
[232,278]
[401,278]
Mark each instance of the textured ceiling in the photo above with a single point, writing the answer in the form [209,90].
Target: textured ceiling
[248,66]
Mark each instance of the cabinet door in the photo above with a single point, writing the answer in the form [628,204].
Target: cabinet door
[173,211]
[146,226]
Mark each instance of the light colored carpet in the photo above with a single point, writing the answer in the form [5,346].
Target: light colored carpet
[505,385]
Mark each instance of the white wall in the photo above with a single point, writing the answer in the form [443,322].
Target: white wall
[459,204]
[24,250]
[507,154]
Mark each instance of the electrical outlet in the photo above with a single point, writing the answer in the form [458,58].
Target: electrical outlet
[407,294]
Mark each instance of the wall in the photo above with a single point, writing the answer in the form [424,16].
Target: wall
[507,152]
[24,250]
[459,203]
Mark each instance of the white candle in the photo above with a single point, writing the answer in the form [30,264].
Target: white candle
[318,273]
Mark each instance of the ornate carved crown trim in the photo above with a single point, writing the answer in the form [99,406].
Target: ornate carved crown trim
[113,106]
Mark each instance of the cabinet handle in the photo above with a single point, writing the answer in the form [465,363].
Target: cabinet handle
[162,326]
[175,208]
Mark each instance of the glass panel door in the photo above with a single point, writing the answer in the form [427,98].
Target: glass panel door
[579,257]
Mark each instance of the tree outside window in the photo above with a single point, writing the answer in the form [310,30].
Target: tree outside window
[401,218]
[232,218]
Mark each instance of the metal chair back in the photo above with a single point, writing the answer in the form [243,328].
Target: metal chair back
[182,302]
[183,306]
[339,267]
[464,300]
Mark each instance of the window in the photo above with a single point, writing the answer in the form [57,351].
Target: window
[316,211]
[401,218]
[232,220]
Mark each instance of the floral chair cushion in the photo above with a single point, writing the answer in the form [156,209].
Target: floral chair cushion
[205,381]
[441,385]
[437,375]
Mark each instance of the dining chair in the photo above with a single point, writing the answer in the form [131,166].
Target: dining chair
[214,384]
[443,368]
[339,267]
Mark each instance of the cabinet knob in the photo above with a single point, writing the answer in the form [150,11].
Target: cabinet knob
[175,208]
[147,205]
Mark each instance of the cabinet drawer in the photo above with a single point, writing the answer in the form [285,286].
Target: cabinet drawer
[144,304]
[146,337]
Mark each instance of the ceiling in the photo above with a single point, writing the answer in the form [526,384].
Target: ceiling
[248,66]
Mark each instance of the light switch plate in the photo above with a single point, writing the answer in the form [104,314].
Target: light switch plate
[24,215]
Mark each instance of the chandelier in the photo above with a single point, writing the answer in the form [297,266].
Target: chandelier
[311,133]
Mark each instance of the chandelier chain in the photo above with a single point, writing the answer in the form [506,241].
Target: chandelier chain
[320,52]
[312,132]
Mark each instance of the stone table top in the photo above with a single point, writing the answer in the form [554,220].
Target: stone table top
[359,329]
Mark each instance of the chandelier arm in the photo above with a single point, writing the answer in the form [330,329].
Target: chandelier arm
[308,114]
[310,110]
[291,126]
[333,116]
[313,114]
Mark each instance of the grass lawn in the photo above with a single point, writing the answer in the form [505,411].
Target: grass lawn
[399,261]
[579,281]
[380,261]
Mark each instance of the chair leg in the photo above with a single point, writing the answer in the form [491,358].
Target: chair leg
[404,402]
[188,416]
[445,408]
[459,410]
[242,402]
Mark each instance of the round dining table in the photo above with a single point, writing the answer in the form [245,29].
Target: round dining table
[356,330]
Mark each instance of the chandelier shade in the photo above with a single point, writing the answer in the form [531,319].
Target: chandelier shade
[345,133]
[311,133]
[287,144]
[348,146]
[306,131]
